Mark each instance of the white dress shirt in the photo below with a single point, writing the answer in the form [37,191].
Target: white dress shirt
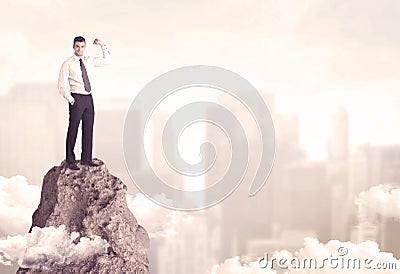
[70,79]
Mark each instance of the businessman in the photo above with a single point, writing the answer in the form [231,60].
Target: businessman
[74,86]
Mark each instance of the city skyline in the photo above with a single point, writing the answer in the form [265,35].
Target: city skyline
[293,175]
[314,117]
[328,71]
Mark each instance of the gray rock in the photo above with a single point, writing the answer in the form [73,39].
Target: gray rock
[92,201]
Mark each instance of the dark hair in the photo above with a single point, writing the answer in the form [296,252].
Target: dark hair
[79,39]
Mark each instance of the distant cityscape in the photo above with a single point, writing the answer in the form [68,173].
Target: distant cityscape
[301,198]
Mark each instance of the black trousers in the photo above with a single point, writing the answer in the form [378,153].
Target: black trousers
[82,109]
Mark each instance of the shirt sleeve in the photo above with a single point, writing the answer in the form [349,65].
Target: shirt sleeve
[63,85]
[105,60]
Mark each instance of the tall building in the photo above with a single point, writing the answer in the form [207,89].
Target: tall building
[108,136]
[389,236]
[338,144]
[374,165]
[338,175]
[288,149]
[373,225]
[248,223]
[32,130]
[371,166]
[158,161]
[188,252]
[367,227]
[191,250]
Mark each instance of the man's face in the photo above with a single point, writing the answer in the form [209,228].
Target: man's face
[79,48]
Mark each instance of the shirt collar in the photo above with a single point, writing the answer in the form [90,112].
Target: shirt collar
[77,57]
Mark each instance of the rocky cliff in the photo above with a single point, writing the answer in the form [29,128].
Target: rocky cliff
[92,202]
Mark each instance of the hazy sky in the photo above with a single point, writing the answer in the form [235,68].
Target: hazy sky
[313,55]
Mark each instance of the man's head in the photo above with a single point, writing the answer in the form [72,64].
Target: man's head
[79,46]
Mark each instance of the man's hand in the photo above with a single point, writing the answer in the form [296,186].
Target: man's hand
[98,42]
[71,101]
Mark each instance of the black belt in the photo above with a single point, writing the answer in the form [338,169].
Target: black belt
[81,94]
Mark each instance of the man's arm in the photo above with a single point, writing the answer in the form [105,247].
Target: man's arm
[63,85]
[106,59]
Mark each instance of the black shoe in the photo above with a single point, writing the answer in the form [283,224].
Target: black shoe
[91,163]
[73,166]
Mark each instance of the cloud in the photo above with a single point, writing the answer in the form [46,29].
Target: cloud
[333,257]
[157,220]
[48,245]
[381,199]
[18,201]
[16,209]
[368,250]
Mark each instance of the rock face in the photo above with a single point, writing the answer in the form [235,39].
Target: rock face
[92,201]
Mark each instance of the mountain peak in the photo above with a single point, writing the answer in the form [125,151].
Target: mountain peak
[92,202]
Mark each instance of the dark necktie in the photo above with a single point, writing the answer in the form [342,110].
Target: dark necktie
[85,77]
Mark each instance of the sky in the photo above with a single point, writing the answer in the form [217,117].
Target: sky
[283,46]
[312,55]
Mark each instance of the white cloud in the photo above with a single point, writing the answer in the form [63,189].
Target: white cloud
[332,257]
[157,220]
[381,199]
[18,201]
[48,245]
[368,250]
